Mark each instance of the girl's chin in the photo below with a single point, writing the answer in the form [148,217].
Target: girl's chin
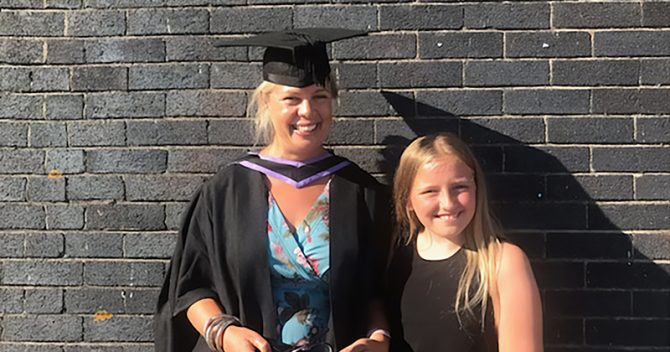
[452,234]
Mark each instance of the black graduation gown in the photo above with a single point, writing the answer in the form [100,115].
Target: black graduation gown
[222,254]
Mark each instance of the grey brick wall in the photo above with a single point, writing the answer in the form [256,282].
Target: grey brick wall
[112,112]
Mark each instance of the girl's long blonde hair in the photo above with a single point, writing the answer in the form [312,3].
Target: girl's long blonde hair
[257,108]
[482,243]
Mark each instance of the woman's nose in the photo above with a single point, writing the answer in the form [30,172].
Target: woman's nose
[305,108]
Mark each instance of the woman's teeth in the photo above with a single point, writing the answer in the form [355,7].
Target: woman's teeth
[306,128]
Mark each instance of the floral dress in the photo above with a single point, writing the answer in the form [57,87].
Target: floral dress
[299,262]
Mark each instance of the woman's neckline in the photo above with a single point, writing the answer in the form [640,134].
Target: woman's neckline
[294,163]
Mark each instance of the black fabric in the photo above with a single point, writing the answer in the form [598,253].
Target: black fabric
[421,306]
[296,57]
[221,253]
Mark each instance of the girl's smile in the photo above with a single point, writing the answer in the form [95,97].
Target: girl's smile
[443,198]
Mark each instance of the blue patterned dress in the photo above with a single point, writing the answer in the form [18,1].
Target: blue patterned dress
[299,263]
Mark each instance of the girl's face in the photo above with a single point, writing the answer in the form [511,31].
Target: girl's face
[443,197]
[301,118]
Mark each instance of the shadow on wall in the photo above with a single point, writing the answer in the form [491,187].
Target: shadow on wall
[600,292]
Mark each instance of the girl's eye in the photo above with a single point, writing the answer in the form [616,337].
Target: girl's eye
[462,187]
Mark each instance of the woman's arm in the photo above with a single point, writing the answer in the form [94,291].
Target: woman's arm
[519,313]
[235,338]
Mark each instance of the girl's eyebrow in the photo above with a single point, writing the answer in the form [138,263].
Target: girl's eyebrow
[467,179]
[463,180]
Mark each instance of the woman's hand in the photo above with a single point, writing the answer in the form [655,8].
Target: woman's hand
[235,338]
[241,339]
[375,343]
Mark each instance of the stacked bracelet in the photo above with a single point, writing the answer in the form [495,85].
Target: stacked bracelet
[214,329]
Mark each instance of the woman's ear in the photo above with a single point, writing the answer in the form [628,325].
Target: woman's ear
[267,95]
[264,98]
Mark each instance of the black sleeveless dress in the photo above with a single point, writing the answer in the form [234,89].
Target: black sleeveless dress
[421,306]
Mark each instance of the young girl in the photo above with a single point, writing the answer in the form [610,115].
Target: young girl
[456,286]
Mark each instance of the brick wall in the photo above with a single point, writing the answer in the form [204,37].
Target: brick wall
[112,112]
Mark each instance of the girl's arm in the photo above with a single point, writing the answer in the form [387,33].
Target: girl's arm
[378,341]
[519,313]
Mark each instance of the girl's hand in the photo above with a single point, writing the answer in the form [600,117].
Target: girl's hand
[372,344]
[241,339]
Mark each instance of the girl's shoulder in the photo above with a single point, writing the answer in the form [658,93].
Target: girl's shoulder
[513,266]
[511,253]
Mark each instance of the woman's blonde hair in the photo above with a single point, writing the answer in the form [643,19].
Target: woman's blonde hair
[258,108]
[482,245]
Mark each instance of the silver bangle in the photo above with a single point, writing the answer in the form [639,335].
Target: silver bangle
[211,335]
[214,329]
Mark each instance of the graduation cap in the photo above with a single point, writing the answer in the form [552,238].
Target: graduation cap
[295,57]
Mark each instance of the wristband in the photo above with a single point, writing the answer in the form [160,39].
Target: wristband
[381,331]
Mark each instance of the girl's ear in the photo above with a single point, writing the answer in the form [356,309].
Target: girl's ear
[408,201]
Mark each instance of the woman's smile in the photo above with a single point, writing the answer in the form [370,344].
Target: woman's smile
[305,129]
[301,118]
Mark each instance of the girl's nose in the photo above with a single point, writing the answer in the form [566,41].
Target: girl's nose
[448,200]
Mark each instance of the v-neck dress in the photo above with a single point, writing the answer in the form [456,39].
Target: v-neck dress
[299,262]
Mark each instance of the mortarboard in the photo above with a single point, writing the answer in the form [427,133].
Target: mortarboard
[296,57]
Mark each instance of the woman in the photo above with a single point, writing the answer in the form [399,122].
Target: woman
[457,286]
[280,246]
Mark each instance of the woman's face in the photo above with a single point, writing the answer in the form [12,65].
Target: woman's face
[443,197]
[301,119]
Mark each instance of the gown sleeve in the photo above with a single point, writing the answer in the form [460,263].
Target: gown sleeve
[188,279]
[383,237]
